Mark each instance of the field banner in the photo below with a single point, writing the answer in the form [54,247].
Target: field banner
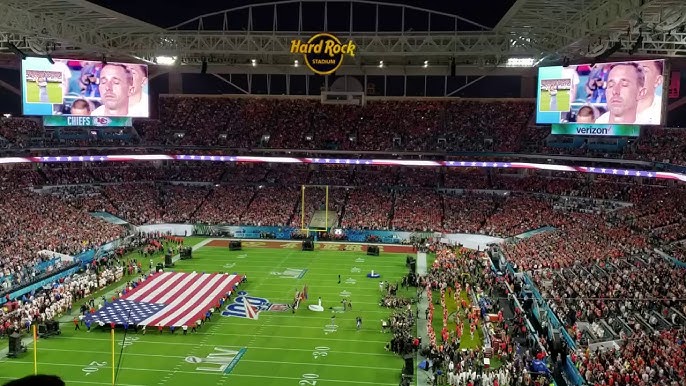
[596,130]
[168,299]
[73,120]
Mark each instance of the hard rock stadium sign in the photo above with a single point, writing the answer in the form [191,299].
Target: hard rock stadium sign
[323,53]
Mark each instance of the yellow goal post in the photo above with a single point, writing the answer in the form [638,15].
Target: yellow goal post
[306,227]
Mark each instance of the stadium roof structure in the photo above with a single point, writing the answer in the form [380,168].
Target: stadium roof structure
[409,40]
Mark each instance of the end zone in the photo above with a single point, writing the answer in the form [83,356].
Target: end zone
[318,246]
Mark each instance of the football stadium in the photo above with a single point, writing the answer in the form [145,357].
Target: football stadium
[343,192]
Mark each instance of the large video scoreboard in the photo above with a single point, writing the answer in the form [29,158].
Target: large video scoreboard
[602,99]
[70,92]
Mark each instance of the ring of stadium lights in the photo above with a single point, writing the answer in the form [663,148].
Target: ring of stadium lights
[349,161]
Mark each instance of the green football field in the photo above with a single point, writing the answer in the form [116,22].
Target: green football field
[279,348]
[563,101]
[54,92]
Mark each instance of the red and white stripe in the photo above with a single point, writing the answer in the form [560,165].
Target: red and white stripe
[250,311]
[188,296]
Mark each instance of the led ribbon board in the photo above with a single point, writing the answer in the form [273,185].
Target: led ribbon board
[347,161]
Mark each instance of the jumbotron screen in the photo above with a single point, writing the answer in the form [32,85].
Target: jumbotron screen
[84,88]
[608,93]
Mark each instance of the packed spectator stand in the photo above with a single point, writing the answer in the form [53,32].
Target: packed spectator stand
[57,299]
[597,270]
[381,125]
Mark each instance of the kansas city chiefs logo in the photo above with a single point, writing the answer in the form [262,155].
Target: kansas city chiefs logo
[102,121]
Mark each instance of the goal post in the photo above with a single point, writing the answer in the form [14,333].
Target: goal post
[306,227]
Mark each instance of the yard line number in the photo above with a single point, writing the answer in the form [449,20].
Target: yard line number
[128,341]
[320,352]
[93,367]
[309,379]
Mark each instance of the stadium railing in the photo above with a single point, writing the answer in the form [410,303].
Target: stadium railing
[570,369]
[39,282]
[671,259]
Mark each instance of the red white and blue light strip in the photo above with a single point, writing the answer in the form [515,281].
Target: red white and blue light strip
[348,161]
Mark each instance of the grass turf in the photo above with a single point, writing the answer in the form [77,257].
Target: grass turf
[563,101]
[281,347]
[54,93]
[467,342]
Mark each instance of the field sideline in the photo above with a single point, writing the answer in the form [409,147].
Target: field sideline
[279,348]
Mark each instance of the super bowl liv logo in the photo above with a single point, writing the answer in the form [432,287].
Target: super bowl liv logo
[237,308]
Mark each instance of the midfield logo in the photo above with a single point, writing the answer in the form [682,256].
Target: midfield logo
[290,273]
[238,308]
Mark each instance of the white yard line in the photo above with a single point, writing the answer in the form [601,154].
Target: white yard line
[215,375]
[83,382]
[263,336]
[225,346]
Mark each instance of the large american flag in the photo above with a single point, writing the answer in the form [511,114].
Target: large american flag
[168,299]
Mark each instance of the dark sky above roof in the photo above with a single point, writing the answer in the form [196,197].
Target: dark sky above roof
[166,13]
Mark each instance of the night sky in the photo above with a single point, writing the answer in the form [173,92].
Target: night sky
[166,13]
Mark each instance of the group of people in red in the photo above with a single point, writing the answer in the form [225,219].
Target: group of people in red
[453,360]
[461,125]
[463,307]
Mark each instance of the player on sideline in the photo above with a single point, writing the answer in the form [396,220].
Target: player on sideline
[553,98]
[358,320]
[42,84]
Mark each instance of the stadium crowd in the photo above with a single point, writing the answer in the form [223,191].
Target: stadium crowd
[35,222]
[647,359]
[461,273]
[44,305]
[595,265]
[290,123]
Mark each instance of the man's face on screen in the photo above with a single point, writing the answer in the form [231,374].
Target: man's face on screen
[115,88]
[622,90]
[653,77]
[139,78]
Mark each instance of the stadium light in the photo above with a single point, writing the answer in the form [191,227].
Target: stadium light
[296,63]
[254,62]
[380,63]
[520,62]
[426,63]
[165,60]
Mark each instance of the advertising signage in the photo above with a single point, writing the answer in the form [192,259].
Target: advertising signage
[592,129]
[323,53]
